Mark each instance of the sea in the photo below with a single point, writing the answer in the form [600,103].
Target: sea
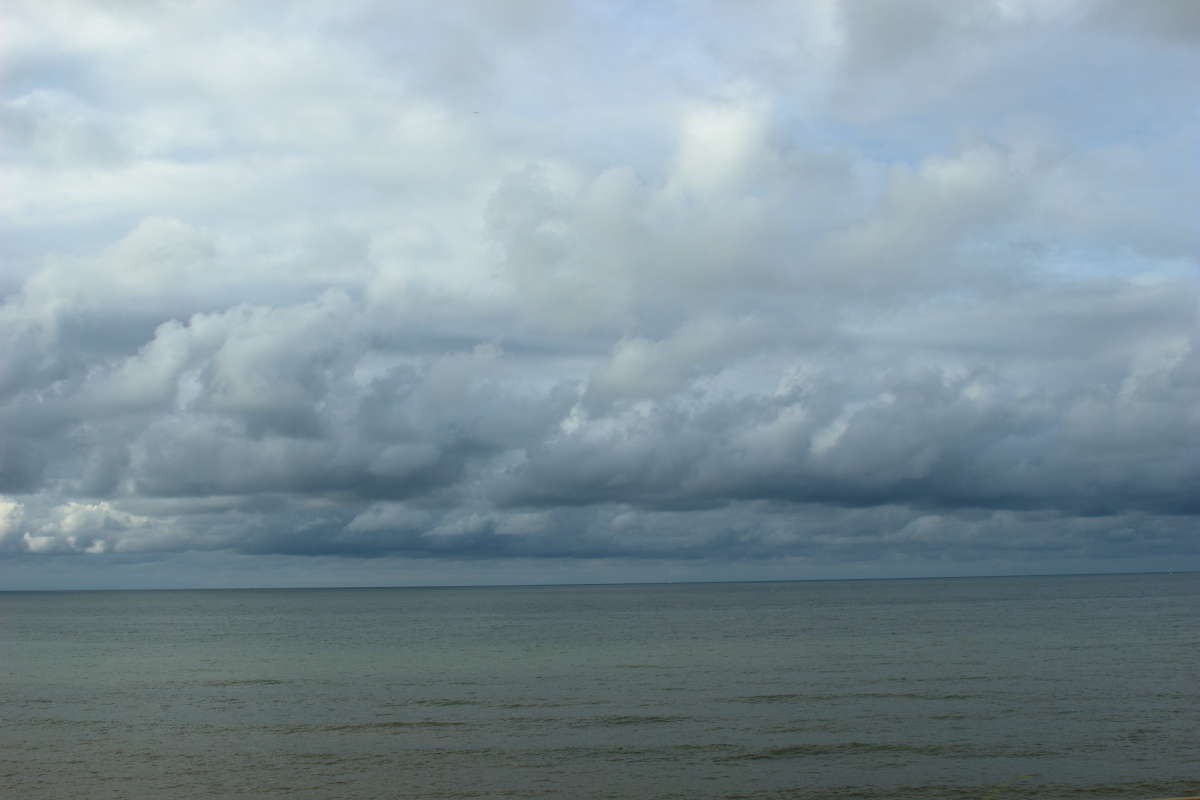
[982,688]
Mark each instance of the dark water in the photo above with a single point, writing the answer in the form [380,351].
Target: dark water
[1072,687]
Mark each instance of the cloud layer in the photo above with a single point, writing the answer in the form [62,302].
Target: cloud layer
[857,285]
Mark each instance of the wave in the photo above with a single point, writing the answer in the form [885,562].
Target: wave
[863,748]
[308,727]
[627,719]
[245,682]
[509,705]
[1019,788]
[804,697]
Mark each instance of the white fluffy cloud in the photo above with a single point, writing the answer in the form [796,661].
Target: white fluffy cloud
[869,283]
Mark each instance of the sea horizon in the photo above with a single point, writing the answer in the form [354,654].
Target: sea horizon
[689,582]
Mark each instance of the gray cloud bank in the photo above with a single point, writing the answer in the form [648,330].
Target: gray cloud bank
[863,283]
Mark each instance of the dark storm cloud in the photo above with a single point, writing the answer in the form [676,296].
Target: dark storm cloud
[847,283]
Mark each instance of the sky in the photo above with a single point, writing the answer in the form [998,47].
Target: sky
[546,291]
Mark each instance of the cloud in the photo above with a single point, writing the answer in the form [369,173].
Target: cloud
[1174,21]
[857,286]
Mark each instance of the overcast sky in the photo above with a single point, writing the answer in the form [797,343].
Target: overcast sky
[390,292]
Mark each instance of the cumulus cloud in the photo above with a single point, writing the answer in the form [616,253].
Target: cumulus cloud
[851,285]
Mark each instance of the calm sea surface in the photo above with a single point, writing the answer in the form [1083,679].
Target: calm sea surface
[1071,687]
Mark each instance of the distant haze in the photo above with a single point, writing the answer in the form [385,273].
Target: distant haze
[395,292]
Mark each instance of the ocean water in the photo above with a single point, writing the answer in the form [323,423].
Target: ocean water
[1046,687]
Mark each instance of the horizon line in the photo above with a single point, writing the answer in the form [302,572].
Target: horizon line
[593,584]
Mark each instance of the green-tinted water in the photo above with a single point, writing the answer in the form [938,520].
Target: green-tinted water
[1047,687]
